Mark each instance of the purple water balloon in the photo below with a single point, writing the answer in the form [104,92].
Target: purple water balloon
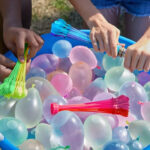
[36,72]
[80,100]
[136,93]
[64,64]
[121,134]
[103,96]
[69,129]
[48,62]
[47,103]
[97,86]
[143,78]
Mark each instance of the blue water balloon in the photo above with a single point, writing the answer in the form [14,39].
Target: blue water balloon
[116,145]
[62,48]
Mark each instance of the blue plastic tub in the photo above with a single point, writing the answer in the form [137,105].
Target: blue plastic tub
[50,39]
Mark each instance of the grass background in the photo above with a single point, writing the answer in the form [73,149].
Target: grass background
[44,12]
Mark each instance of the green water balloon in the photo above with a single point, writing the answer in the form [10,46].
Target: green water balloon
[7,107]
[117,76]
[29,110]
[147,89]
[109,62]
[141,129]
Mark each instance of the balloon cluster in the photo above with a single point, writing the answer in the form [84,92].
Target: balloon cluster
[74,75]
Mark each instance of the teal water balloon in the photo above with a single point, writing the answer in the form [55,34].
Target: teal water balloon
[31,144]
[141,129]
[116,145]
[62,48]
[117,76]
[29,110]
[7,107]
[109,62]
[14,130]
[42,134]
[68,130]
[147,89]
[135,145]
[136,93]
[97,130]
[100,72]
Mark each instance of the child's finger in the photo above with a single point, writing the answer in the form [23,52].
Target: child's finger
[147,65]
[141,63]
[6,62]
[93,39]
[4,72]
[100,42]
[33,45]
[134,60]
[20,41]
[28,65]
[127,61]
[104,36]
[39,40]
[113,44]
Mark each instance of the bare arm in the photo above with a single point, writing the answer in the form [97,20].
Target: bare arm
[11,12]
[13,34]
[104,36]
[87,10]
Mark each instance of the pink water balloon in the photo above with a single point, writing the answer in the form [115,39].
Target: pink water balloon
[47,62]
[81,75]
[62,83]
[82,53]
[52,74]
[73,93]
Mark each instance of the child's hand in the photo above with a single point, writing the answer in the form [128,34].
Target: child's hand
[15,39]
[138,55]
[6,66]
[106,35]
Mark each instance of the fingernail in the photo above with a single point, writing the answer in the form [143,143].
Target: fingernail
[21,58]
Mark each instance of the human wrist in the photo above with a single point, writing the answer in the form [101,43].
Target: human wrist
[95,20]
[8,22]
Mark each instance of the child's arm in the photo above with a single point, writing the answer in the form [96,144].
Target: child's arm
[14,35]
[106,34]
[138,55]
